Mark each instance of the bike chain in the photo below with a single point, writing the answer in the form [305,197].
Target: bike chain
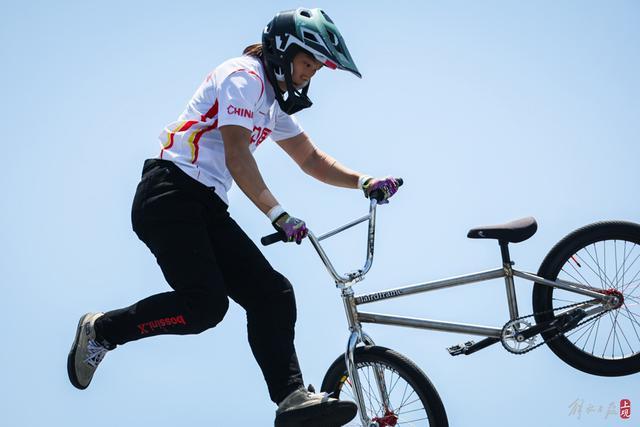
[556,335]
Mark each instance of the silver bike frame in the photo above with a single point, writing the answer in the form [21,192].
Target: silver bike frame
[355,318]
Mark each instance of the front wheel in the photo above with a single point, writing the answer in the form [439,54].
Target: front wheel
[412,399]
[604,257]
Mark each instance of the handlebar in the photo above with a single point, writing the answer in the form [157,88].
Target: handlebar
[357,275]
[278,236]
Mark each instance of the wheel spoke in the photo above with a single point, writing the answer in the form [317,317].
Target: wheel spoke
[626,340]
[595,339]
[408,403]
[586,329]
[412,421]
[607,343]
[618,332]
[370,391]
[601,273]
[634,299]
[394,384]
[413,410]
[593,325]
[615,259]
[585,281]
[624,289]
[631,320]
[348,390]
[363,376]
[632,264]
[596,260]
[403,395]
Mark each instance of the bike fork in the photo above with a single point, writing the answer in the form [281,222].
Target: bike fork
[354,339]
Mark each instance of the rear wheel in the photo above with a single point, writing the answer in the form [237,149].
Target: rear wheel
[605,257]
[413,400]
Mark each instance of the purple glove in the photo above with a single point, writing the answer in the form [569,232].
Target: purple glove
[387,186]
[293,228]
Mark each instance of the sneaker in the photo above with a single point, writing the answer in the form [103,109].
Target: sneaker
[86,353]
[303,408]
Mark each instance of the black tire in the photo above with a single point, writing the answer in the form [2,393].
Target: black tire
[414,388]
[604,256]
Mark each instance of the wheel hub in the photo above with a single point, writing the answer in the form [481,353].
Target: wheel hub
[389,420]
[617,298]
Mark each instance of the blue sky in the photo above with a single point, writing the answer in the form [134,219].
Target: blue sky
[489,110]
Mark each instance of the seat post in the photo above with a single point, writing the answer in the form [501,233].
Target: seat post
[504,251]
[508,279]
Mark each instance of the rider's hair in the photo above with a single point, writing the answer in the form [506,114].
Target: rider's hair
[254,50]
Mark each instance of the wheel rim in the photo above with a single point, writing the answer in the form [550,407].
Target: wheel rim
[405,406]
[611,267]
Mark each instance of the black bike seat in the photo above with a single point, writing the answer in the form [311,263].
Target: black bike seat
[514,231]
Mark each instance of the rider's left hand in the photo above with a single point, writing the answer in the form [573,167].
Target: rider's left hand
[387,186]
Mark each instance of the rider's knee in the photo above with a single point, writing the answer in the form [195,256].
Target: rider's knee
[206,309]
[277,306]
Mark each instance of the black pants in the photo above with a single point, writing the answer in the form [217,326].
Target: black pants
[206,258]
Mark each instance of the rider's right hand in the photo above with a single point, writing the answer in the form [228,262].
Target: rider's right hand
[293,229]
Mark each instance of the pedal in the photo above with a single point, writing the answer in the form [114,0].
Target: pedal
[456,350]
[471,347]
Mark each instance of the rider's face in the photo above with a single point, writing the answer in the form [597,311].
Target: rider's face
[304,67]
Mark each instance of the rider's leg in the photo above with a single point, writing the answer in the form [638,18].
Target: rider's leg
[269,300]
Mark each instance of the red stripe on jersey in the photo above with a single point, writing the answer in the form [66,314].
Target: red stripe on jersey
[187,125]
[197,137]
[211,113]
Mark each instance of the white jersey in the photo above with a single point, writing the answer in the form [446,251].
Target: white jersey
[235,93]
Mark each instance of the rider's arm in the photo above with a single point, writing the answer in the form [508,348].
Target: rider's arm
[243,167]
[317,163]
[239,93]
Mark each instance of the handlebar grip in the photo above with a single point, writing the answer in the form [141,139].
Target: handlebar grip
[378,195]
[271,239]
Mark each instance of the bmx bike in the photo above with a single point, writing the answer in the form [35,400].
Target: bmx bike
[585,302]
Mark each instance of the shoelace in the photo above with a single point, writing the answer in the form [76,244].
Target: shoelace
[322,396]
[311,392]
[95,353]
